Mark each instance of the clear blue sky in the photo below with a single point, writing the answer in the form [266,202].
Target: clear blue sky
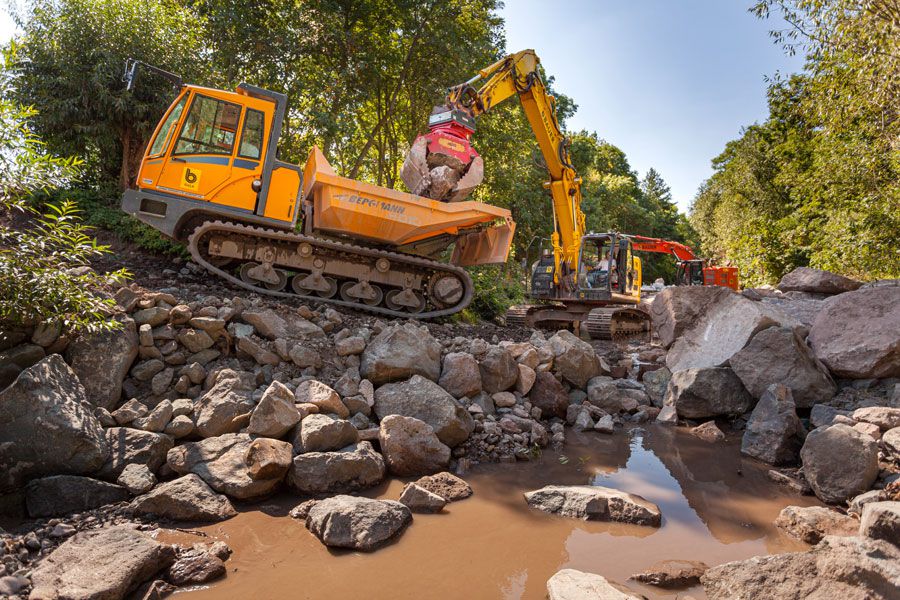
[667,81]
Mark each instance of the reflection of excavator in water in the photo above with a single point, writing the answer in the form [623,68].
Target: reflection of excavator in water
[689,270]
[583,278]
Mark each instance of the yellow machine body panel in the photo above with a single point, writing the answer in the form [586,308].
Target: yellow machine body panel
[366,211]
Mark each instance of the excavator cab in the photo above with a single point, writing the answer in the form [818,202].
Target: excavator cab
[607,266]
[215,147]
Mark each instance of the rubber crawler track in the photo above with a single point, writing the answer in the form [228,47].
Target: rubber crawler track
[195,247]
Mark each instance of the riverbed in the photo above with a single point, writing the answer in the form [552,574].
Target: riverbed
[717,506]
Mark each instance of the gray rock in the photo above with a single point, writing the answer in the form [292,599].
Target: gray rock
[410,447]
[187,498]
[594,503]
[221,409]
[357,523]
[673,573]
[427,401]
[881,521]
[321,433]
[133,446]
[156,420]
[805,279]
[498,370]
[137,479]
[549,395]
[810,524]
[773,432]
[234,464]
[708,432]
[675,309]
[179,427]
[101,361]
[705,393]
[569,584]
[850,568]
[128,412]
[605,424]
[273,326]
[196,567]
[574,359]
[100,564]
[460,375]
[655,384]
[62,494]
[891,442]
[399,352]
[349,469]
[275,414]
[839,462]
[779,355]
[855,334]
[418,499]
[884,417]
[47,418]
[321,395]
[822,414]
[446,485]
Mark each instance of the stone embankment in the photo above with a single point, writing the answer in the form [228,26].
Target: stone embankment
[199,402]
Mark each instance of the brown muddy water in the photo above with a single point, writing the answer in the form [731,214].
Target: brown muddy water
[716,506]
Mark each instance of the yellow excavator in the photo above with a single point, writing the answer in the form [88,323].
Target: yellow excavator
[592,279]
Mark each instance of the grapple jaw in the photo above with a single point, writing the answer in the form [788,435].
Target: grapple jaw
[442,164]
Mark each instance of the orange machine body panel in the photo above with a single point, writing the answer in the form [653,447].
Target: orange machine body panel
[722,276]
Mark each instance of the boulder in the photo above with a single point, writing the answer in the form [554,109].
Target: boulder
[839,462]
[883,416]
[410,447]
[849,568]
[675,309]
[195,567]
[525,380]
[275,414]
[399,352]
[673,573]
[133,446]
[418,499]
[822,414]
[708,432]
[128,412]
[607,394]
[855,334]
[352,468]
[816,281]
[357,523]
[569,584]
[322,396]
[47,426]
[779,355]
[137,479]
[231,464]
[187,498]
[655,384]
[723,330]
[498,370]
[810,524]
[460,375]
[705,393]
[62,494]
[102,361]
[549,395]
[773,432]
[804,310]
[321,433]
[156,420]
[594,503]
[271,325]
[891,442]
[574,359]
[224,407]
[427,401]
[881,521]
[100,564]
[446,485]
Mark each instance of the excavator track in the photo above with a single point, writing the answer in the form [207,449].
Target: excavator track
[618,323]
[287,264]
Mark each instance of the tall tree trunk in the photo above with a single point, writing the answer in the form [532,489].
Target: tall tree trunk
[132,152]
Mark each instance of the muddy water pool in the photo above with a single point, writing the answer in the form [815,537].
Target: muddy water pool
[717,506]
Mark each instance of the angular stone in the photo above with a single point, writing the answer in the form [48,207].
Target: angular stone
[99,564]
[321,433]
[816,281]
[194,568]
[322,396]
[460,375]
[548,394]
[839,462]
[349,469]
[220,409]
[427,401]
[855,334]
[152,316]
[418,499]
[350,346]
[275,414]
[62,494]
[883,416]
[881,521]
[101,362]
[891,442]
[569,584]
[305,357]
[810,524]
[128,412]
[47,426]
[574,359]
[137,479]
[673,573]
[594,503]
[156,420]
[410,447]
[773,433]
[446,485]
[257,352]
[273,326]
[526,379]
[708,432]
[779,355]
[705,393]
[655,384]
[357,523]
[133,446]
[180,427]
[187,498]
[675,309]
[400,352]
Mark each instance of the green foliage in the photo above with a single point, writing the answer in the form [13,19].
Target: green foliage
[818,183]
[497,287]
[40,263]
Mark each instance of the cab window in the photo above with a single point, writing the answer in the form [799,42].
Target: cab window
[209,128]
[168,128]
[252,135]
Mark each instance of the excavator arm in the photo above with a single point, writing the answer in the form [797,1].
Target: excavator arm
[451,126]
[647,244]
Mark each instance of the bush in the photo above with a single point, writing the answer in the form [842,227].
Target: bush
[497,287]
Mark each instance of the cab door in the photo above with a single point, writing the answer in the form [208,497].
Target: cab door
[200,160]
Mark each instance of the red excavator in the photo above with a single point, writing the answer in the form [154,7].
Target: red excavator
[690,270]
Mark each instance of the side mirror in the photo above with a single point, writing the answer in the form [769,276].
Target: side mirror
[256,185]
